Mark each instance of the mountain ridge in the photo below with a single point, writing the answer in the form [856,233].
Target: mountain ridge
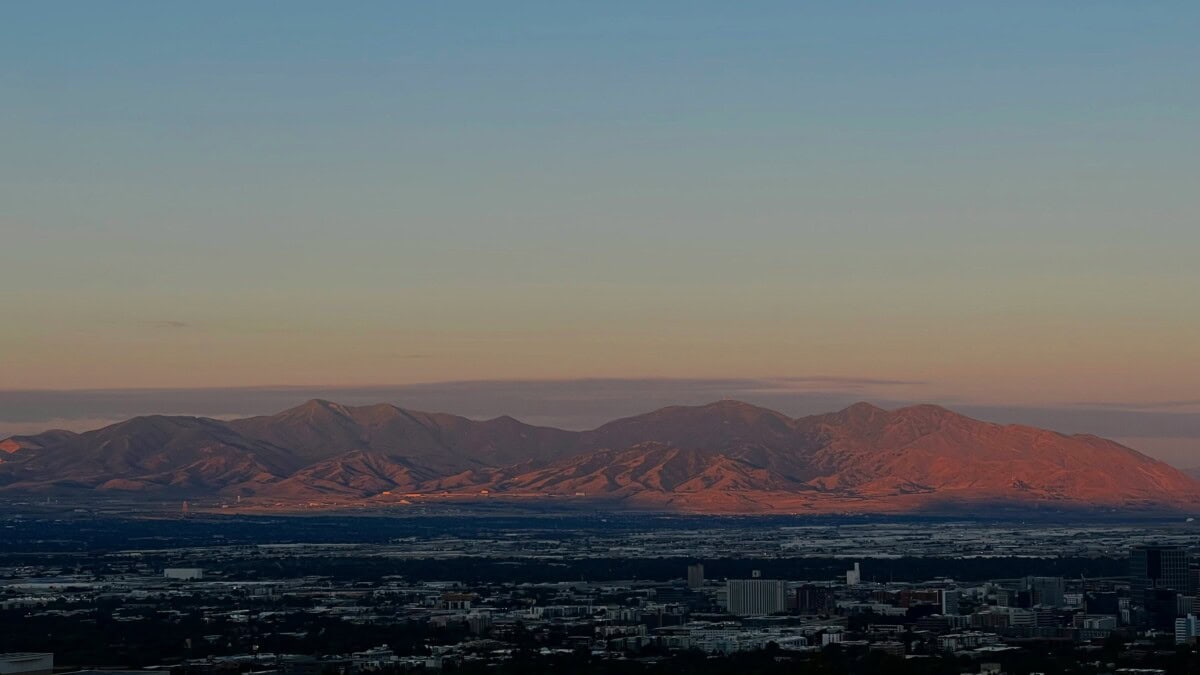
[725,456]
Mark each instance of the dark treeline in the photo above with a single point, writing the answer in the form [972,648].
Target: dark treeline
[829,661]
[100,640]
[73,532]
[352,568]
[139,639]
[501,570]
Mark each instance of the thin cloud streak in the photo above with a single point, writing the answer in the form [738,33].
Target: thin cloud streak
[584,403]
[1129,405]
[587,403]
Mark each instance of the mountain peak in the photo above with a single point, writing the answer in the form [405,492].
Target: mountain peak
[724,455]
[862,408]
[732,404]
[734,407]
[858,414]
[19,442]
[728,403]
[321,403]
[724,411]
[927,411]
[319,406]
[159,423]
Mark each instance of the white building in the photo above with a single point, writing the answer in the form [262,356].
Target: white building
[755,597]
[854,576]
[183,573]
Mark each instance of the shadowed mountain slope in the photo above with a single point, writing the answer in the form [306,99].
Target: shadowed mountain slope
[727,456]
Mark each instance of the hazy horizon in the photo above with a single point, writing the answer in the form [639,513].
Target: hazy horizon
[1169,431]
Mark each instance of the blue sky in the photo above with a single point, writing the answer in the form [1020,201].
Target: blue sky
[996,200]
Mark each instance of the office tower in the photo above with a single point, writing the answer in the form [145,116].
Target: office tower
[1157,567]
[1102,603]
[755,597]
[1045,617]
[695,575]
[1162,608]
[1006,597]
[1186,629]
[1046,591]
[811,599]
[950,598]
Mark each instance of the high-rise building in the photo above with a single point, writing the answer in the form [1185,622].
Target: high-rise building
[1185,604]
[1005,597]
[1186,629]
[1157,567]
[755,597]
[1161,608]
[950,598]
[695,575]
[1102,603]
[854,576]
[812,599]
[1045,591]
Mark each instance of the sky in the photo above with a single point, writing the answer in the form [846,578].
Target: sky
[986,204]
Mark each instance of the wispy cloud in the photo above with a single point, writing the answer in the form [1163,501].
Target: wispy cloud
[827,382]
[166,323]
[834,379]
[1147,405]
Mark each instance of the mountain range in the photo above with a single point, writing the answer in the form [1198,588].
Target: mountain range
[724,457]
